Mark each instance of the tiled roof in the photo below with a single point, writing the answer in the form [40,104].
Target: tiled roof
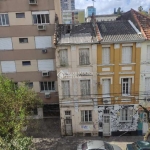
[141,21]
[81,33]
[118,31]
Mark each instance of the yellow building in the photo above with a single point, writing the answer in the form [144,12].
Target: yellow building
[118,76]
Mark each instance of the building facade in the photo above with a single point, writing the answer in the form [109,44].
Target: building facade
[142,23]
[118,61]
[73,16]
[27,53]
[99,18]
[90,10]
[67,5]
[77,76]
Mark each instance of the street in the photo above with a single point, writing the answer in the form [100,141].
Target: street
[70,143]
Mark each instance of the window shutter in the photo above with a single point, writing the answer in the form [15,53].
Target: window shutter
[84,57]
[63,57]
[126,54]
[147,85]
[65,88]
[105,55]
[106,87]
[148,52]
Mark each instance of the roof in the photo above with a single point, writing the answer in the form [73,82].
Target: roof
[141,21]
[118,31]
[107,15]
[79,34]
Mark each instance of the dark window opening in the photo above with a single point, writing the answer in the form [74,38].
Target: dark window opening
[26,63]
[23,40]
[20,15]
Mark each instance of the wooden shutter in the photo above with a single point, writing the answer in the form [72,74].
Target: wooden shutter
[147,85]
[84,57]
[148,52]
[126,55]
[63,57]
[106,87]
[105,55]
[65,88]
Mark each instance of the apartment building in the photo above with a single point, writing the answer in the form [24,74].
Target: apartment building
[90,10]
[77,79]
[27,53]
[67,4]
[118,68]
[142,23]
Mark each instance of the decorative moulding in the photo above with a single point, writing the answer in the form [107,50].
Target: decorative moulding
[116,46]
[105,45]
[138,45]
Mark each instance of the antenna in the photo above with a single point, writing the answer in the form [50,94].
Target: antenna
[93,2]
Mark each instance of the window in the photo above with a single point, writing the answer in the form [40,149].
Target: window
[26,63]
[84,57]
[105,55]
[127,55]
[126,115]
[85,87]
[20,15]
[106,87]
[86,116]
[4,21]
[29,85]
[126,86]
[42,18]
[147,86]
[148,52]
[7,45]
[67,113]
[8,66]
[65,88]
[23,40]
[63,57]
[47,86]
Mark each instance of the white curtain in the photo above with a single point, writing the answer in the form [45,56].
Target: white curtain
[85,87]
[84,57]
[106,87]
[65,88]
[63,57]
[126,55]
[106,55]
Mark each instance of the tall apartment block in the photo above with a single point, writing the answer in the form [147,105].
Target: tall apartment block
[68,5]
[26,48]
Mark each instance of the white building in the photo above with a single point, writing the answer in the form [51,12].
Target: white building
[67,4]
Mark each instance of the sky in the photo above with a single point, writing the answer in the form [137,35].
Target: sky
[107,6]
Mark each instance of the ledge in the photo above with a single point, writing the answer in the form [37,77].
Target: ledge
[106,65]
[127,64]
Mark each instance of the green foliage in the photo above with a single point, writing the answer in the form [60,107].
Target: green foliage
[15,103]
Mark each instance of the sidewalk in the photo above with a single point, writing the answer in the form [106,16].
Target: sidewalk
[70,143]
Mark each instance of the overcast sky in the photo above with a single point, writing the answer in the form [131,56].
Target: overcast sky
[107,6]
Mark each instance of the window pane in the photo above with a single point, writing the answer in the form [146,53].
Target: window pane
[20,15]
[23,40]
[86,116]
[7,20]
[45,86]
[26,63]
[42,86]
[3,20]
[43,18]
[47,18]
[0,19]
[90,115]
[34,19]
[39,19]
[53,85]
[49,86]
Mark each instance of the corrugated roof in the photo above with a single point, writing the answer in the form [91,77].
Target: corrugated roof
[118,31]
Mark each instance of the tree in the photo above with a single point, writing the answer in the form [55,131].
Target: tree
[148,120]
[140,8]
[119,11]
[15,103]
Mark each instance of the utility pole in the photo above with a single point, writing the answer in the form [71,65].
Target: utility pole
[93,2]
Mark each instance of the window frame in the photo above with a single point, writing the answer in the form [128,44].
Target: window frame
[62,82]
[26,63]
[124,61]
[126,115]
[86,90]
[104,62]
[28,84]
[41,16]
[84,115]
[128,86]
[86,58]
[5,18]
[53,87]
[22,40]
[22,15]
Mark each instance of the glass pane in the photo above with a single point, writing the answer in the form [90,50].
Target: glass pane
[43,18]
[34,19]
[7,20]
[86,115]
[38,19]
[0,19]
[90,115]
[3,20]
[46,86]
[47,18]
[42,86]
[53,85]
[49,86]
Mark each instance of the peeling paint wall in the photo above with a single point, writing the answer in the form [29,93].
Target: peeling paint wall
[115,124]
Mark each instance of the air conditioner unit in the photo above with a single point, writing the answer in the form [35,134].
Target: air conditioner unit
[41,27]
[45,73]
[44,51]
[47,95]
[106,100]
[33,2]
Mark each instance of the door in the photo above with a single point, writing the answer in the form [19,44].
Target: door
[145,124]
[106,125]
[68,127]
